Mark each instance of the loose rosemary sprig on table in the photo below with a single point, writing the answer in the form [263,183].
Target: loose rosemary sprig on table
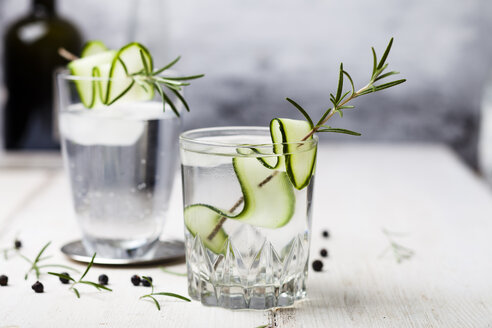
[15,248]
[152,294]
[174,273]
[35,264]
[400,252]
[80,281]
[340,99]
[6,252]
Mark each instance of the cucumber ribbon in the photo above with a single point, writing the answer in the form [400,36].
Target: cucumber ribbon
[269,198]
[112,71]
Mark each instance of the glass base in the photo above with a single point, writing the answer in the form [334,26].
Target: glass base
[120,249]
[238,297]
[261,279]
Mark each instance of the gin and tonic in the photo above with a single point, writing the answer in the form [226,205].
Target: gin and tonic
[121,162]
[247,227]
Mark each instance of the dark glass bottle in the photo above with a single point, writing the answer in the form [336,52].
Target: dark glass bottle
[30,58]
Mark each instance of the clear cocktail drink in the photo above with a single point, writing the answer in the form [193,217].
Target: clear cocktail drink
[121,162]
[247,227]
[119,119]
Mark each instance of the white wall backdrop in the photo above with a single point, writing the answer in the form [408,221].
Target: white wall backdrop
[257,52]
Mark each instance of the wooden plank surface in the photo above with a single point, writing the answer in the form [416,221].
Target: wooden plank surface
[424,192]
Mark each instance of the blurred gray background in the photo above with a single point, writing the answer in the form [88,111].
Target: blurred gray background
[255,53]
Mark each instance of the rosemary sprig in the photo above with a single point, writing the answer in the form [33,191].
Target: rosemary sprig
[6,252]
[400,252]
[80,281]
[146,78]
[16,246]
[152,294]
[163,269]
[339,102]
[35,264]
[340,99]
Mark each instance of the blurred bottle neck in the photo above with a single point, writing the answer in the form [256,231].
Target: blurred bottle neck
[44,8]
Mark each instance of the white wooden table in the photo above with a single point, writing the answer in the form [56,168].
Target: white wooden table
[421,190]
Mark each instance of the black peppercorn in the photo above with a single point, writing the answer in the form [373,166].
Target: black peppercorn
[326,234]
[145,282]
[64,280]
[103,279]
[136,280]
[38,287]
[323,252]
[4,280]
[17,244]
[317,265]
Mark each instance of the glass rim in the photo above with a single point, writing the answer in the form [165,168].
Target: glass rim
[186,138]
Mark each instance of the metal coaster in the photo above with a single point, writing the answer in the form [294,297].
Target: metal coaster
[166,251]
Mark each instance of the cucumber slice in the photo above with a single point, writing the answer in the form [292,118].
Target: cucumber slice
[299,160]
[201,220]
[269,206]
[101,71]
[268,159]
[130,59]
[273,162]
[84,67]
[268,196]
[92,48]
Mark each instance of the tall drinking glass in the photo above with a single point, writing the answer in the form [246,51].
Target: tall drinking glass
[121,162]
[247,229]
